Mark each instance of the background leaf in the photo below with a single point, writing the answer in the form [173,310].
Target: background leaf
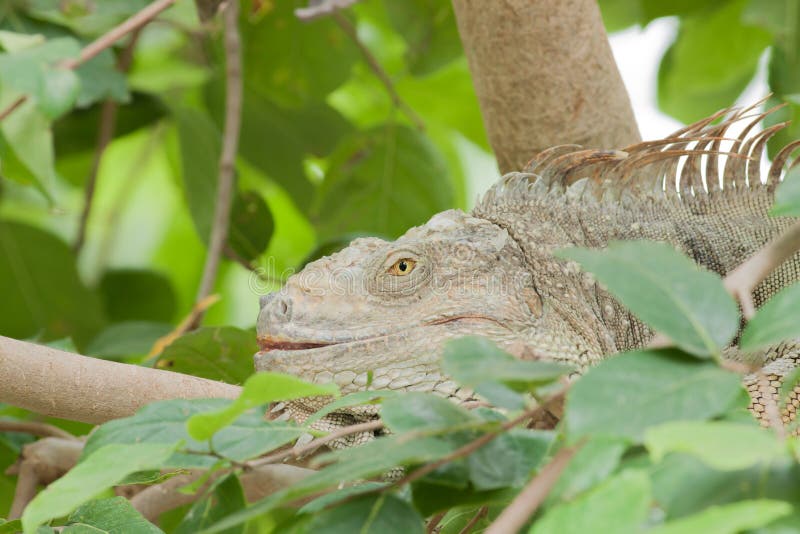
[626,394]
[666,290]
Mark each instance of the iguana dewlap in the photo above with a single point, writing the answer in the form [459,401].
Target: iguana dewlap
[383,310]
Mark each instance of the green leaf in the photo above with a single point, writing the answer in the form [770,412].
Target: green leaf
[372,514]
[353,399]
[619,14]
[33,71]
[593,463]
[137,295]
[325,501]
[626,394]
[374,458]
[720,444]
[251,225]
[227,497]
[684,485]
[217,353]
[787,196]
[315,57]
[200,149]
[85,18]
[96,473]
[14,41]
[775,321]
[43,295]
[132,338]
[109,515]
[101,80]
[666,290]
[479,364]
[76,132]
[382,181]
[165,422]
[509,459]
[728,519]
[276,140]
[711,62]
[430,31]
[60,89]
[259,389]
[621,504]
[423,411]
[10,527]
[27,142]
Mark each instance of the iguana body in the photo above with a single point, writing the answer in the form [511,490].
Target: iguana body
[387,308]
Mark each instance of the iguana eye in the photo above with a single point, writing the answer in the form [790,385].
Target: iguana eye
[402,267]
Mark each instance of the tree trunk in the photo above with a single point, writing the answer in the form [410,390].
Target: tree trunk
[544,75]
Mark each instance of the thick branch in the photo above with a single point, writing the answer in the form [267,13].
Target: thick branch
[67,385]
[230,143]
[544,75]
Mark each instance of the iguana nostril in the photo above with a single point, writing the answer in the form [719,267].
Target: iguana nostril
[263,300]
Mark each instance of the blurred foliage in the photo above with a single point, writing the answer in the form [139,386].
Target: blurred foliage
[327,155]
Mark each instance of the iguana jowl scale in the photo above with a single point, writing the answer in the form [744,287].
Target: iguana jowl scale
[387,308]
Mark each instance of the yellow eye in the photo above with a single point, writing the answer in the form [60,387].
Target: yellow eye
[402,267]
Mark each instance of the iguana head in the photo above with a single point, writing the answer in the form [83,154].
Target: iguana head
[382,311]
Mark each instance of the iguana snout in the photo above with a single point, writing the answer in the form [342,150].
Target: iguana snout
[381,311]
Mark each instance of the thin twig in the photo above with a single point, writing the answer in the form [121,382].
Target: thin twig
[433,524]
[297,452]
[13,107]
[743,280]
[108,123]
[377,70]
[230,143]
[476,444]
[133,23]
[474,521]
[27,486]
[112,36]
[532,495]
[319,9]
[35,428]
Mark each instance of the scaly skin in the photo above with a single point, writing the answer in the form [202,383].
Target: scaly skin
[387,308]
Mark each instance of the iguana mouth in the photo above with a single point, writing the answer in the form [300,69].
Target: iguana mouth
[269,343]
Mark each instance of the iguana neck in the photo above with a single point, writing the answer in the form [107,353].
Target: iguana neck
[718,230]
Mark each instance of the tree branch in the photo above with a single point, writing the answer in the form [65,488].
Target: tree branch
[67,385]
[377,70]
[257,484]
[743,280]
[106,40]
[544,76]
[526,503]
[133,23]
[108,123]
[230,143]
[35,428]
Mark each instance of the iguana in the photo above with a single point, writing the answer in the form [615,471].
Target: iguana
[383,310]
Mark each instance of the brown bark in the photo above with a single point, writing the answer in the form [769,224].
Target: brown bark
[544,75]
[67,385]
